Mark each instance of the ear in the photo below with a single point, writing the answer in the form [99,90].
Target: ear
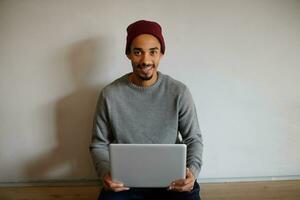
[128,56]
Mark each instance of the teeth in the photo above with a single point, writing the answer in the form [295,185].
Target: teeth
[146,69]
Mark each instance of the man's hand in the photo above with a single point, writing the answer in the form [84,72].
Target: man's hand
[113,186]
[184,185]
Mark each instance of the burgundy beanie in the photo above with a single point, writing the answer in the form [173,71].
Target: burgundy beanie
[144,27]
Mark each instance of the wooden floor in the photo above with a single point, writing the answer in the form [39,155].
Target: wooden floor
[271,190]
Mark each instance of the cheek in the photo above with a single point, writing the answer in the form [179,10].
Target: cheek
[134,65]
[135,61]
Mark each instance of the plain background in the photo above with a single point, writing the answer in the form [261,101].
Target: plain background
[240,60]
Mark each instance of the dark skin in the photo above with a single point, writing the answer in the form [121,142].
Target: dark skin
[184,185]
[109,184]
[145,54]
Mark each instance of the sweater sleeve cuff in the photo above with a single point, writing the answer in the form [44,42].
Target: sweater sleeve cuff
[195,171]
[102,171]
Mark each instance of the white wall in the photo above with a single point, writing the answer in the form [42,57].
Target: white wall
[239,58]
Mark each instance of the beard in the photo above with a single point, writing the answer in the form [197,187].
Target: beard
[142,66]
[145,78]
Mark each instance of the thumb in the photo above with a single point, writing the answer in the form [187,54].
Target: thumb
[187,172]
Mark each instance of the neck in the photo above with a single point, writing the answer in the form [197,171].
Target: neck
[143,83]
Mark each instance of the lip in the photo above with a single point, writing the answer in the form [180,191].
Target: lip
[145,67]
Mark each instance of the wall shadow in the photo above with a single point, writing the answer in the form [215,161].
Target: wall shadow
[70,158]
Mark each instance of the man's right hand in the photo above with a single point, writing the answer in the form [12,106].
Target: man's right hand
[113,186]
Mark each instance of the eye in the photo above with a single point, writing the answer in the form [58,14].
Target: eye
[153,52]
[137,53]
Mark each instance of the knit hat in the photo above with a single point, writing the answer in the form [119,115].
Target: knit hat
[144,27]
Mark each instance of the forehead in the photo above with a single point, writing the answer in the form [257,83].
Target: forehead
[145,41]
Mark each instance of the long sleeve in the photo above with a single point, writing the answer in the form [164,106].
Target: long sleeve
[188,127]
[130,114]
[101,137]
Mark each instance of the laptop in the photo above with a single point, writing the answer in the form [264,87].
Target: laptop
[147,165]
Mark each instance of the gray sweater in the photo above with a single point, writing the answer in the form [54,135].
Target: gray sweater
[163,113]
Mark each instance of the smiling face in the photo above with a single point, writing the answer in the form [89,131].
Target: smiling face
[145,54]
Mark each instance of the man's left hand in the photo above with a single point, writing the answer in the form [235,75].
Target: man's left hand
[183,185]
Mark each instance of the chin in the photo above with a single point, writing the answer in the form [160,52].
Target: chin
[147,78]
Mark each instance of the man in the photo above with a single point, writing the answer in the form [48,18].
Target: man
[146,106]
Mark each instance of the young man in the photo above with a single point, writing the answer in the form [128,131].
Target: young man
[146,106]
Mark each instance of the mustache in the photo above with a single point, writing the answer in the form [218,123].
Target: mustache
[144,65]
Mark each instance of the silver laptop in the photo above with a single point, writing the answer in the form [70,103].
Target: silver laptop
[147,165]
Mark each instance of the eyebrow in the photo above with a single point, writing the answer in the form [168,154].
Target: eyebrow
[151,49]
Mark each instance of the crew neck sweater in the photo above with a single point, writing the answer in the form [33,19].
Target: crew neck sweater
[163,113]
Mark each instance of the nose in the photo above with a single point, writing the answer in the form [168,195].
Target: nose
[146,59]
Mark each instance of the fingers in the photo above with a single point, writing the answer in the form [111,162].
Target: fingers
[189,178]
[120,189]
[182,188]
[112,184]
[116,187]
[183,182]
[109,184]
[183,185]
